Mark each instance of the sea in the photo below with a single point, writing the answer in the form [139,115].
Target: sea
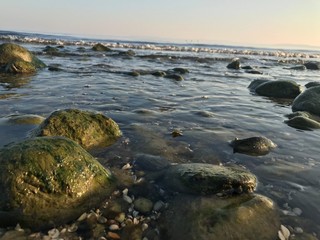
[210,107]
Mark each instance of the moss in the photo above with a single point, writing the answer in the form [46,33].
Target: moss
[17,59]
[86,128]
[41,175]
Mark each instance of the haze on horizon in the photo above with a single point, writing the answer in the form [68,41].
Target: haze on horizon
[247,22]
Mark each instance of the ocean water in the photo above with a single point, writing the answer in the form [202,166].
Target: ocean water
[211,106]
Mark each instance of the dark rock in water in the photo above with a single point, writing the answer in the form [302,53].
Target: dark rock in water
[17,59]
[279,89]
[298,114]
[312,84]
[176,77]
[257,82]
[247,67]
[299,68]
[49,181]
[304,123]
[255,146]
[100,48]
[51,50]
[54,68]
[308,101]
[247,216]
[86,128]
[149,162]
[129,53]
[312,65]
[254,72]
[180,70]
[199,178]
[235,64]
[159,73]
[134,73]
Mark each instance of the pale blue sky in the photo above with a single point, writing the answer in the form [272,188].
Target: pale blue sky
[215,21]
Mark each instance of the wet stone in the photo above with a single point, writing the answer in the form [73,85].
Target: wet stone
[235,64]
[255,146]
[100,48]
[279,89]
[198,178]
[308,101]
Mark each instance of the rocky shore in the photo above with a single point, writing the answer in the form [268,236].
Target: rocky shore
[54,187]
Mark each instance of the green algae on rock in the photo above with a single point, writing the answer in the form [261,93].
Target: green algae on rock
[48,181]
[255,146]
[29,119]
[200,178]
[17,59]
[89,129]
[247,216]
[100,48]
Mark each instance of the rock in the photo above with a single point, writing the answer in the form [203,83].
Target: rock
[134,73]
[312,84]
[257,82]
[143,205]
[48,181]
[51,51]
[254,72]
[247,67]
[17,59]
[176,77]
[181,70]
[303,123]
[100,48]
[235,64]
[89,129]
[149,162]
[26,119]
[159,73]
[255,146]
[308,101]
[279,89]
[239,217]
[312,65]
[299,68]
[198,178]
[129,53]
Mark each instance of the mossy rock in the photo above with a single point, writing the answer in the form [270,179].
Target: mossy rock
[200,178]
[256,83]
[17,59]
[89,129]
[30,119]
[303,123]
[100,48]
[246,216]
[308,101]
[48,181]
[279,89]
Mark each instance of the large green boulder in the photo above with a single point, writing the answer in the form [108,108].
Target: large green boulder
[17,59]
[279,89]
[206,179]
[89,129]
[245,216]
[48,181]
[308,101]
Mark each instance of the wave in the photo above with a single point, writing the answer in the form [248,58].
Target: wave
[35,38]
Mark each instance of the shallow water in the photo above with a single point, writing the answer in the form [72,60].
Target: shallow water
[211,106]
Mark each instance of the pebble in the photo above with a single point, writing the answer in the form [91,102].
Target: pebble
[54,233]
[144,226]
[298,230]
[82,217]
[72,228]
[102,219]
[297,211]
[127,198]
[113,235]
[158,206]
[114,227]
[120,217]
[283,233]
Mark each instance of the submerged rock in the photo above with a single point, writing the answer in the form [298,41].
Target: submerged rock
[255,146]
[100,48]
[235,64]
[199,178]
[308,101]
[181,70]
[303,123]
[17,59]
[246,216]
[26,119]
[89,129]
[254,72]
[149,162]
[176,77]
[299,68]
[279,89]
[48,181]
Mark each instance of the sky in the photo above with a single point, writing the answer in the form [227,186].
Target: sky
[244,22]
